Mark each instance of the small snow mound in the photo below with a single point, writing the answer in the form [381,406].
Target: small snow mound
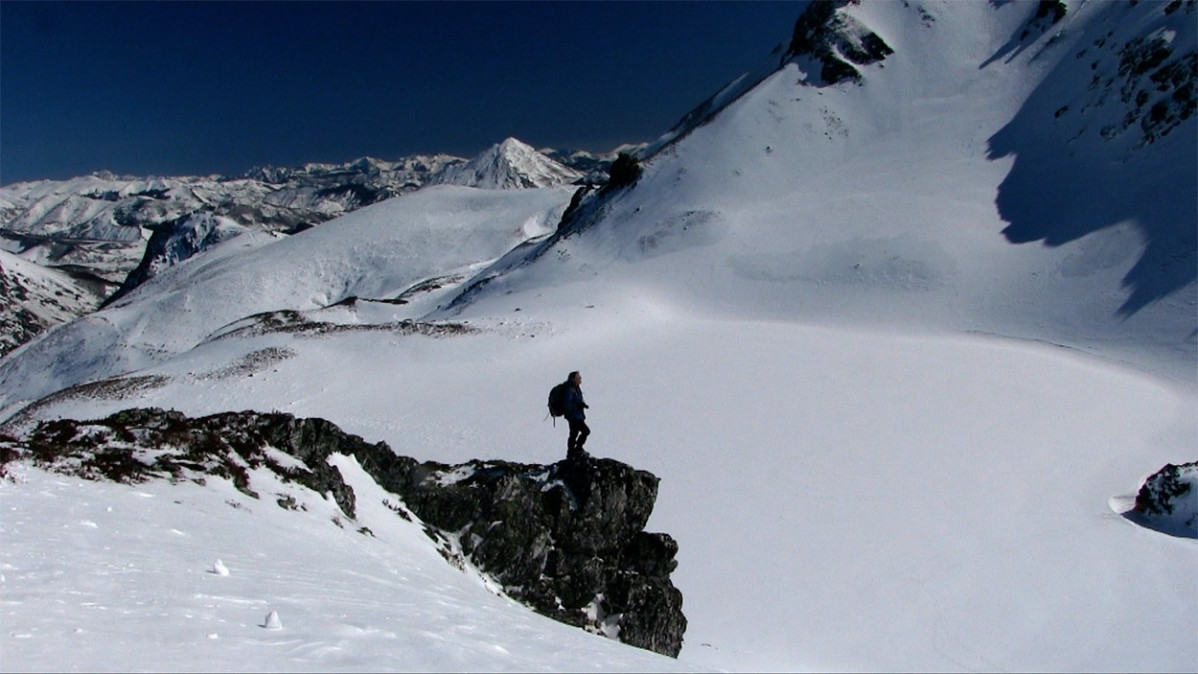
[219,568]
[272,621]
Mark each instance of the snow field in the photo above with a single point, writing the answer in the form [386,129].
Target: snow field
[842,498]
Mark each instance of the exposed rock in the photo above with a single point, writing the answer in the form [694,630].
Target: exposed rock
[836,40]
[567,539]
[625,170]
[177,240]
[1048,13]
[1158,87]
[1168,500]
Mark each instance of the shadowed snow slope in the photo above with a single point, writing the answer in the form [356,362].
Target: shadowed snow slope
[890,436]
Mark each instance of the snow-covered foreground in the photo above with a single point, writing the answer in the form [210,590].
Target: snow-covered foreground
[843,499]
[104,577]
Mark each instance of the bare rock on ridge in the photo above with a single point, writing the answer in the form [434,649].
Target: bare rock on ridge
[836,40]
[567,539]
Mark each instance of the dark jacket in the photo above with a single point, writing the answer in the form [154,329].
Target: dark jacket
[574,404]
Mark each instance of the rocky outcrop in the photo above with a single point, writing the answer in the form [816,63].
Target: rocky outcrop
[1157,85]
[1168,500]
[567,539]
[837,41]
[174,241]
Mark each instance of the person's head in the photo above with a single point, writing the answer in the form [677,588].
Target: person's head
[575,378]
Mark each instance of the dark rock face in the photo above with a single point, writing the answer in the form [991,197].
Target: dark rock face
[836,40]
[1158,87]
[1168,501]
[175,241]
[1164,489]
[567,539]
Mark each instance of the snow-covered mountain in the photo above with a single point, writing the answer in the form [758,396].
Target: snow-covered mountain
[509,165]
[105,207]
[1075,157]
[902,322]
[101,225]
[175,241]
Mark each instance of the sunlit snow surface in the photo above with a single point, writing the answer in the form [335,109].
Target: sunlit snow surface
[841,499]
[103,577]
[888,438]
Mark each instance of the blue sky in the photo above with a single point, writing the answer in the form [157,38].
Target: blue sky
[196,88]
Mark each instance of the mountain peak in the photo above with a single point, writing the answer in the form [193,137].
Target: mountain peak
[511,144]
[509,164]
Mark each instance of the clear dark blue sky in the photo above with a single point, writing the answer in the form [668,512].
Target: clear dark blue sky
[196,88]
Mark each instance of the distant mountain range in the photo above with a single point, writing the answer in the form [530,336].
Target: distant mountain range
[105,234]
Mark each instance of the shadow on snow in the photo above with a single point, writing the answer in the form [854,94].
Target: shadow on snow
[1072,177]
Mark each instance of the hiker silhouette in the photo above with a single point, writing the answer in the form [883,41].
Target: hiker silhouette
[573,408]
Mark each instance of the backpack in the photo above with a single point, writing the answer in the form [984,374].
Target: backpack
[557,399]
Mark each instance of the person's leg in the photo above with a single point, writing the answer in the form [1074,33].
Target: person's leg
[583,432]
[578,436]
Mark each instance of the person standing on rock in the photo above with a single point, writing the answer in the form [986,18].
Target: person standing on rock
[576,415]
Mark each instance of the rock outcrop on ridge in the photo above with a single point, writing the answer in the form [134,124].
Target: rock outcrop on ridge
[836,41]
[567,539]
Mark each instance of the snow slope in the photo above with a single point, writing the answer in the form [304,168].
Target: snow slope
[34,298]
[133,586]
[877,202]
[891,433]
[100,223]
[844,499]
[404,251]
